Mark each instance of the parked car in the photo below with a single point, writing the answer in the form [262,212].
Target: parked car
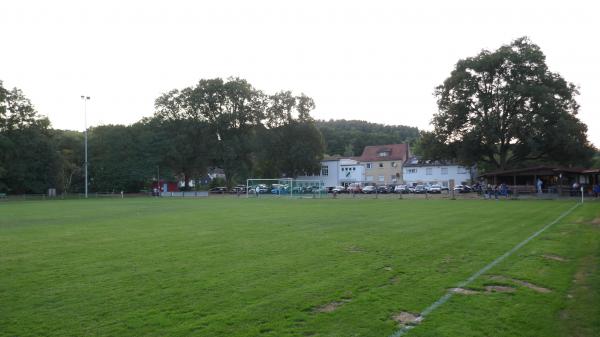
[218,190]
[238,189]
[434,188]
[401,189]
[262,188]
[411,189]
[382,189]
[369,189]
[279,189]
[339,189]
[420,189]
[354,188]
[462,188]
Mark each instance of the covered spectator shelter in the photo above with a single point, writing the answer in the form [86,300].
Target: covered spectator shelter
[554,179]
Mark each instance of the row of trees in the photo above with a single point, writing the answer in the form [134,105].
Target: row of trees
[217,123]
[498,110]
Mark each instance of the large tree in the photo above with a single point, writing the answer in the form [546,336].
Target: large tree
[235,123]
[505,108]
[28,158]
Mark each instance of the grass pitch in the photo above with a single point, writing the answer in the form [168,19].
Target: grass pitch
[272,267]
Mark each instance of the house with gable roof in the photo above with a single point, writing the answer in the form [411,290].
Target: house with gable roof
[383,163]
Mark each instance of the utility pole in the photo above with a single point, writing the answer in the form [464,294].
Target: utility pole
[85,137]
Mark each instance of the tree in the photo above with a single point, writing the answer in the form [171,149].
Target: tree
[237,122]
[349,137]
[28,158]
[506,108]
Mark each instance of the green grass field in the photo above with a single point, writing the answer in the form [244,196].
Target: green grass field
[279,267]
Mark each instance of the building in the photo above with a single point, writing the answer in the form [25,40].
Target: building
[337,170]
[557,180]
[416,171]
[383,163]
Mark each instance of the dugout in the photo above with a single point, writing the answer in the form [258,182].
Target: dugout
[555,180]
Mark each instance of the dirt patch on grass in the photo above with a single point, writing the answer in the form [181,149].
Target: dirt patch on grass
[331,307]
[522,283]
[464,291]
[387,268]
[407,318]
[499,289]
[554,257]
[594,222]
[355,249]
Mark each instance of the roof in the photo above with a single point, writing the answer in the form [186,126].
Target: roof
[534,170]
[396,152]
[417,162]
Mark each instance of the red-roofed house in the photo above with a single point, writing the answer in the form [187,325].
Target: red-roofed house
[383,163]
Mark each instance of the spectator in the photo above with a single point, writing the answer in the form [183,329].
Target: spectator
[596,190]
[575,189]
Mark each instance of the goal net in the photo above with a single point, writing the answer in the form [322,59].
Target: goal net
[285,187]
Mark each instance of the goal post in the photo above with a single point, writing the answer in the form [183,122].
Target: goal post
[284,187]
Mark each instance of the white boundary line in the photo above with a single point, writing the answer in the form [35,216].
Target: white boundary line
[473,277]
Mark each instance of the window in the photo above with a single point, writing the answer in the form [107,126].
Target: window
[369,165]
[444,170]
[354,169]
[324,170]
[413,170]
[383,154]
[381,165]
[429,171]
[394,164]
[381,178]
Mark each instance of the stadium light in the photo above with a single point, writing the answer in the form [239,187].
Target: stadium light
[85,99]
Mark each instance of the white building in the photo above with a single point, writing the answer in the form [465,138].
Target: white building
[436,172]
[336,171]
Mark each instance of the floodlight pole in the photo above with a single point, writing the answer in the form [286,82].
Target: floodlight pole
[85,137]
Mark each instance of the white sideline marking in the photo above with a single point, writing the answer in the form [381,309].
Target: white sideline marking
[473,277]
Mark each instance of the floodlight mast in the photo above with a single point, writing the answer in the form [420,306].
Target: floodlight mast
[85,137]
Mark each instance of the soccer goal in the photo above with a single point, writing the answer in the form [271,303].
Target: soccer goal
[284,187]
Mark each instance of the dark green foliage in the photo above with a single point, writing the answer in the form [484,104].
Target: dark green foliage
[349,137]
[28,159]
[244,131]
[505,109]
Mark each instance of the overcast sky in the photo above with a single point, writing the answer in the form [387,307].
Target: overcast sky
[372,60]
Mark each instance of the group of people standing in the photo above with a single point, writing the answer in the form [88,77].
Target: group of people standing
[494,191]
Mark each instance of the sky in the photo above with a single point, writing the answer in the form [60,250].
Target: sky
[370,60]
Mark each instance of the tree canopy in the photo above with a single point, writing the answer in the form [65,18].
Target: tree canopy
[349,137]
[505,108]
